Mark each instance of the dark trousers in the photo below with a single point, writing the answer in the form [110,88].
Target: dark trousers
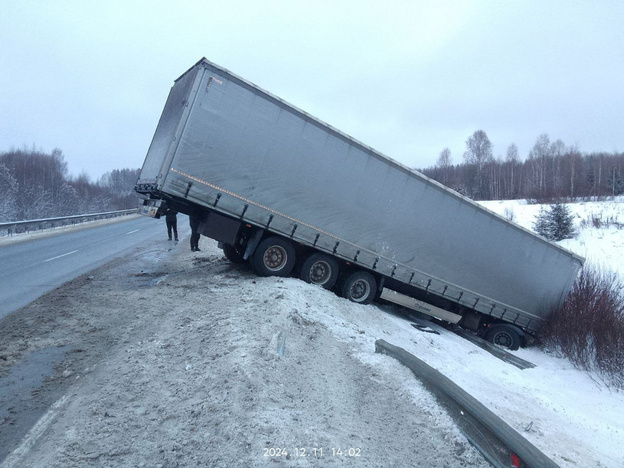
[194,240]
[172,226]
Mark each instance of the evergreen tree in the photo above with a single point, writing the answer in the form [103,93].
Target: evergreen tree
[562,222]
[556,223]
[542,223]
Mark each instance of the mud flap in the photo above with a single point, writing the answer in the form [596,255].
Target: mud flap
[220,228]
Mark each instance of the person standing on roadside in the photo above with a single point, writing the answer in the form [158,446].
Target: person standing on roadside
[171,218]
[194,222]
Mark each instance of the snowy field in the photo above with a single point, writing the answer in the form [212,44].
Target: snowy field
[213,365]
[603,247]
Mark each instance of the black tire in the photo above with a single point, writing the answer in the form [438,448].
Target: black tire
[234,253]
[505,336]
[274,256]
[359,287]
[320,269]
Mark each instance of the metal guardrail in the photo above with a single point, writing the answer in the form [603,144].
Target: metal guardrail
[498,442]
[16,227]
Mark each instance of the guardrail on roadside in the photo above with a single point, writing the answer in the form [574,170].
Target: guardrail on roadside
[16,227]
[497,441]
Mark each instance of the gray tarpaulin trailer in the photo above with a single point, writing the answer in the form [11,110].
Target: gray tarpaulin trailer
[288,193]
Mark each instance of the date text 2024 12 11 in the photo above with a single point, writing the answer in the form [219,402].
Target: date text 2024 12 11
[312,452]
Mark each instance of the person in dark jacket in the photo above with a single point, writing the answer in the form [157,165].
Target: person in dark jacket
[194,222]
[171,218]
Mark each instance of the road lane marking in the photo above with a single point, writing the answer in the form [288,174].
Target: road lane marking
[132,232]
[29,440]
[59,256]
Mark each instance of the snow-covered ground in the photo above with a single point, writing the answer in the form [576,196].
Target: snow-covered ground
[602,247]
[565,412]
[214,365]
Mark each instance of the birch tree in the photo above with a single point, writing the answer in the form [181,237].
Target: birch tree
[444,163]
[479,153]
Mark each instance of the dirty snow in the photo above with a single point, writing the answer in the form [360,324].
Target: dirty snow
[182,359]
[187,360]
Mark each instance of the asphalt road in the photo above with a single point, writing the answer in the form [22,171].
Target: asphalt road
[32,268]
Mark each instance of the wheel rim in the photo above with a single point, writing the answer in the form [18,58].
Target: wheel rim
[503,339]
[320,272]
[359,290]
[275,258]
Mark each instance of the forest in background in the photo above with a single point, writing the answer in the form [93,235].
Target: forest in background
[36,185]
[551,172]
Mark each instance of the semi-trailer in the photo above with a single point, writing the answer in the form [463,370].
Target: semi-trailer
[290,194]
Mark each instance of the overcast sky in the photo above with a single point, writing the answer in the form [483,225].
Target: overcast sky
[408,78]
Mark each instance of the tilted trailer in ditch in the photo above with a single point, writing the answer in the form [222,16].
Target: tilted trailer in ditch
[292,195]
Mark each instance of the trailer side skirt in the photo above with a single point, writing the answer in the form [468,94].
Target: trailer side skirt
[419,306]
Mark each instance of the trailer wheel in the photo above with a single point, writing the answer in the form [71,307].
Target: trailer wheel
[274,256]
[320,269]
[234,254]
[505,336]
[359,287]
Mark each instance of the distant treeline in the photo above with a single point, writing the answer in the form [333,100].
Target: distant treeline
[550,172]
[36,185]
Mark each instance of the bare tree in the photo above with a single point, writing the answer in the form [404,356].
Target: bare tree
[34,184]
[479,153]
[538,160]
[444,163]
[8,195]
[557,150]
[574,161]
[68,202]
[553,172]
[36,203]
[512,153]
[512,160]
